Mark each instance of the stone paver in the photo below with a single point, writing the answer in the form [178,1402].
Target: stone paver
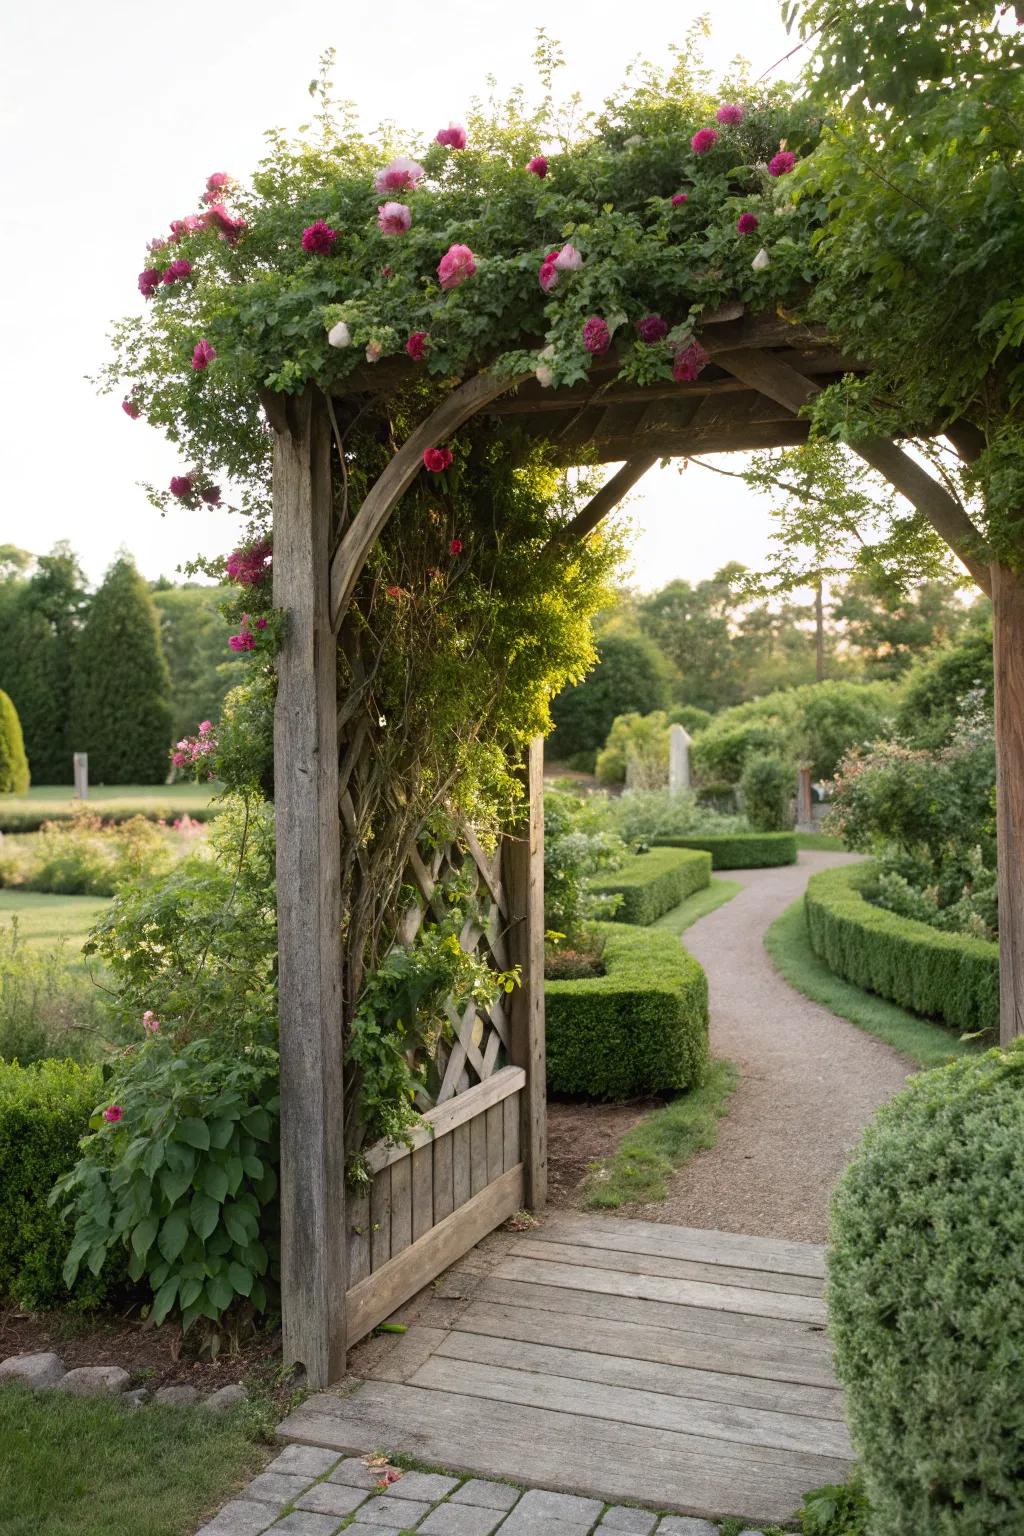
[352,1472]
[480,1490]
[638,1522]
[430,1487]
[277,1488]
[94,1381]
[242,1517]
[39,1370]
[332,1499]
[307,1461]
[684,1525]
[461,1520]
[362,1529]
[301,1523]
[541,1525]
[536,1504]
[387,1510]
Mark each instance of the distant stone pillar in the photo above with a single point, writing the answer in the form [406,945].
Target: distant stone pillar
[804,801]
[81,775]
[678,760]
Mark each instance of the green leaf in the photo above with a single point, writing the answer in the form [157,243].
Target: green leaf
[221,1132]
[204,1213]
[218,1289]
[144,1235]
[214,1181]
[233,1169]
[173,1234]
[257,1123]
[189,1291]
[195,1132]
[241,1278]
[174,1182]
[163,1301]
[240,1223]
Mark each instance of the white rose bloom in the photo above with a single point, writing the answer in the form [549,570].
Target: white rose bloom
[339,335]
[761,260]
[545,378]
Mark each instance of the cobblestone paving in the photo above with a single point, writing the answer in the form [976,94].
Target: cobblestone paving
[307,1491]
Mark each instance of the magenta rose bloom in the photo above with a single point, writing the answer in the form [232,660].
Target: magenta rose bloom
[245,641]
[730,113]
[130,409]
[680,197]
[203,355]
[149,281]
[228,228]
[393,218]
[416,346]
[211,495]
[782,163]
[596,335]
[113,1113]
[437,460]
[690,363]
[249,566]
[176,271]
[548,274]
[746,223]
[218,182]
[703,140]
[538,166]
[652,328]
[454,136]
[181,486]
[318,239]
[457,263]
[402,175]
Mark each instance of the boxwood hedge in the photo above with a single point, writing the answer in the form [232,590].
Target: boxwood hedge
[926,1302]
[741,850]
[640,1028]
[654,882]
[945,976]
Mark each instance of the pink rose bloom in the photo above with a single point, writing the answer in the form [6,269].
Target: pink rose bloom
[703,140]
[242,642]
[249,566]
[730,113]
[437,460]
[782,163]
[181,486]
[130,409]
[538,166]
[227,227]
[454,136]
[393,218]
[261,623]
[211,495]
[416,346]
[156,244]
[680,197]
[150,1022]
[746,223]
[187,226]
[373,351]
[177,270]
[318,239]
[216,186]
[113,1113]
[548,274]
[402,175]
[690,363]
[596,335]
[455,547]
[457,263]
[652,328]
[149,281]
[203,355]
[568,259]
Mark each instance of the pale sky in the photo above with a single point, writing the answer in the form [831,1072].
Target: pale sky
[112,115]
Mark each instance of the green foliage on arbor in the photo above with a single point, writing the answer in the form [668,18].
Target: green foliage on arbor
[766,793]
[942,687]
[651,883]
[579,847]
[640,1028]
[630,677]
[14,774]
[121,710]
[41,618]
[926,1301]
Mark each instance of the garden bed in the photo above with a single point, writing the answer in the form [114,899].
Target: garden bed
[939,975]
[641,1028]
[115,802]
[740,850]
[654,882]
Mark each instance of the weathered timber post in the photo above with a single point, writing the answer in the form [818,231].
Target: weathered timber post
[81,771]
[523,881]
[804,801]
[1008,658]
[679,740]
[308,899]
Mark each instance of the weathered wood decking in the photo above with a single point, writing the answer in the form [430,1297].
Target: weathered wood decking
[684,1369]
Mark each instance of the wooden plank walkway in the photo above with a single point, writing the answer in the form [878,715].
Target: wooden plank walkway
[687,1370]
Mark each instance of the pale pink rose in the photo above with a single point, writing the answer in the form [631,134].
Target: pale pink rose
[393,218]
[402,175]
[373,351]
[568,259]
[457,263]
[454,136]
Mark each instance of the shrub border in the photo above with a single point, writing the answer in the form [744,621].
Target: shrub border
[740,850]
[652,883]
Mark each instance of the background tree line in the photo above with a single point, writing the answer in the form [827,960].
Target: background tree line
[118,673]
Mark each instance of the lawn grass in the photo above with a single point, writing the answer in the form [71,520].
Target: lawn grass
[52,802]
[822,842]
[927,1044]
[698,905]
[648,1155]
[43,919]
[89,1467]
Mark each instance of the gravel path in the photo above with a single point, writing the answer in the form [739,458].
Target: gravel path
[809,1081]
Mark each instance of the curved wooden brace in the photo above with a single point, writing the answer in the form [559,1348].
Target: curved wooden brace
[608,497]
[383,496]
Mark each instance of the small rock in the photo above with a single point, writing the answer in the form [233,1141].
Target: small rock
[179,1392]
[94,1381]
[226,1398]
[137,1398]
[42,1370]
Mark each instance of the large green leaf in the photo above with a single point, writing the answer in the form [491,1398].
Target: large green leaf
[144,1235]
[195,1132]
[204,1213]
[163,1301]
[214,1180]
[173,1234]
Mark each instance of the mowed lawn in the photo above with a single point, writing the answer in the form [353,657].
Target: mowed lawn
[43,801]
[80,1467]
[43,920]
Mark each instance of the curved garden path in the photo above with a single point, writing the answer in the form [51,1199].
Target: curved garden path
[809,1081]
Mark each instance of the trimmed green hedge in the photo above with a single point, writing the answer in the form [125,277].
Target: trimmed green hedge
[640,1028]
[945,976]
[740,850]
[652,883]
[44,1112]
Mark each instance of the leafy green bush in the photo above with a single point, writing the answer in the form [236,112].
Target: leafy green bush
[940,975]
[631,674]
[82,856]
[720,754]
[636,749]
[578,846]
[179,1174]
[640,1028]
[938,689]
[47,1008]
[766,790]
[740,850]
[14,775]
[643,816]
[837,1510]
[691,716]
[654,882]
[814,724]
[926,1301]
[44,1112]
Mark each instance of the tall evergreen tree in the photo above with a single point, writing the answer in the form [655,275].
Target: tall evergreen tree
[42,617]
[14,775]
[121,710]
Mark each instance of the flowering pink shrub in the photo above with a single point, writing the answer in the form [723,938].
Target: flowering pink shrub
[690,363]
[194,751]
[457,263]
[402,175]
[416,346]
[747,223]
[730,113]
[203,355]
[437,460]
[393,218]
[454,136]
[249,566]
[782,163]
[596,335]
[652,328]
[318,239]
[703,140]
[538,166]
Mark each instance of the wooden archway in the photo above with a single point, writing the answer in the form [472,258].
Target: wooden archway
[339,1277]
